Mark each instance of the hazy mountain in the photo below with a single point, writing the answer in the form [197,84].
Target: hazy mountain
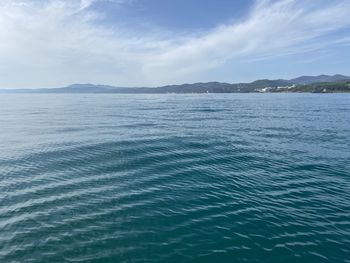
[208,87]
[303,80]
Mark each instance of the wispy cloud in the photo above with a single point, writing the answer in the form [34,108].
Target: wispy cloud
[87,3]
[273,28]
[58,42]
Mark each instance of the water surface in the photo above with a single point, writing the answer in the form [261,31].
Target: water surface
[175,178]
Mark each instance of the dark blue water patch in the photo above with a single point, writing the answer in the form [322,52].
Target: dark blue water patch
[206,110]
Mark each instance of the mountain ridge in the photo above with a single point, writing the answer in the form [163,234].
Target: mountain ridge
[199,87]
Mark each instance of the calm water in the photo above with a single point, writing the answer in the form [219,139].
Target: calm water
[175,178]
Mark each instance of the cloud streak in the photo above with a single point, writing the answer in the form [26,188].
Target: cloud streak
[58,42]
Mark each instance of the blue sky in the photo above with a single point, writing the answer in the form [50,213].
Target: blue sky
[181,16]
[53,43]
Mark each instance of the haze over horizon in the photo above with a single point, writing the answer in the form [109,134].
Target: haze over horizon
[158,42]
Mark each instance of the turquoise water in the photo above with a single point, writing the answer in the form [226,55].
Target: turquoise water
[175,178]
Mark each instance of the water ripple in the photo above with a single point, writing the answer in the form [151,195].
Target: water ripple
[161,178]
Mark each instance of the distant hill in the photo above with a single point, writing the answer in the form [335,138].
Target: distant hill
[304,80]
[264,85]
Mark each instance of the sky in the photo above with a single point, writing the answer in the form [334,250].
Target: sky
[55,43]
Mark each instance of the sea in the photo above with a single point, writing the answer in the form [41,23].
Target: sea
[175,178]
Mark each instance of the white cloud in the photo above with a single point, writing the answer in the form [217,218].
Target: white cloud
[86,3]
[57,42]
